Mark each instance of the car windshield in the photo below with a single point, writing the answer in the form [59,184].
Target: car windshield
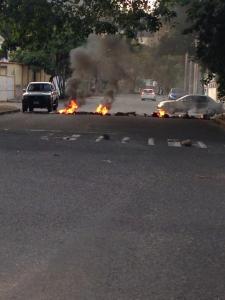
[148,91]
[39,87]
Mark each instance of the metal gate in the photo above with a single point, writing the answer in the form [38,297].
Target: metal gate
[7,91]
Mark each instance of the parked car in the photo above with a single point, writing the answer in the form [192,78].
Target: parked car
[192,104]
[40,95]
[176,93]
[148,94]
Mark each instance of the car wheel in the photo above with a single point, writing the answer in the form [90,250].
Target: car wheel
[24,107]
[56,105]
[31,108]
[50,107]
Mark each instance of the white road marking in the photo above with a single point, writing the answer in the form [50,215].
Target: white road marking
[201,145]
[68,138]
[76,136]
[125,140]
[99,139]
[173,143]
[151,142]
[71,138]
[107,161]
[44,138]
[54,131]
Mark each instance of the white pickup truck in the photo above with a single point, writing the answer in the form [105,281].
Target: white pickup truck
[40,95]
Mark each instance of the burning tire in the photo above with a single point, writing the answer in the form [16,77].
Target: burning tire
[70,109]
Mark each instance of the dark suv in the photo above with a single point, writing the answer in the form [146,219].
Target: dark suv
[40,95]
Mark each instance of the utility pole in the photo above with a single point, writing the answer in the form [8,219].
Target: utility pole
[195,83]
[186,73]
[190,88]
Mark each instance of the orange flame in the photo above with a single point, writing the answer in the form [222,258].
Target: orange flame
[102,109]
[161,113]
[70,109]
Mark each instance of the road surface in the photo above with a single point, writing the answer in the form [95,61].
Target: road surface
[122,103]
[133,216]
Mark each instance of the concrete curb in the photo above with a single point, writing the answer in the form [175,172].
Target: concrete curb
[12,111]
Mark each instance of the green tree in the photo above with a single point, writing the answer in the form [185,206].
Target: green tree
[207,19]
[40,33]
[164,61]
[57,26]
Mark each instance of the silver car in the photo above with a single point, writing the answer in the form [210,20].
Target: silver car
[148,94]
[191,105]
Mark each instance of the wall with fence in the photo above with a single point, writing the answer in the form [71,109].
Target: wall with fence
[20,76]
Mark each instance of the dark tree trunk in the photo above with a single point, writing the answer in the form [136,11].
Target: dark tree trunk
[34,75]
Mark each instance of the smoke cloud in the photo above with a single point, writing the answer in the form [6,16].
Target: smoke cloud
[99,66]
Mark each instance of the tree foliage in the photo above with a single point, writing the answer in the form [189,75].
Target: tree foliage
[41,28]
[207,20]
[174,42]
[164,61]
[55,27]
[167,68]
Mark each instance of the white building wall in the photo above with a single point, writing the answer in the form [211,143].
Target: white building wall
[212,90]
[7,90]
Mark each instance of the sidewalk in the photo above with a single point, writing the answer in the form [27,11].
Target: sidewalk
[6,108]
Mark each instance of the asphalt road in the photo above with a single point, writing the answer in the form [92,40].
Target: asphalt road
[135,216]
[125,103]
